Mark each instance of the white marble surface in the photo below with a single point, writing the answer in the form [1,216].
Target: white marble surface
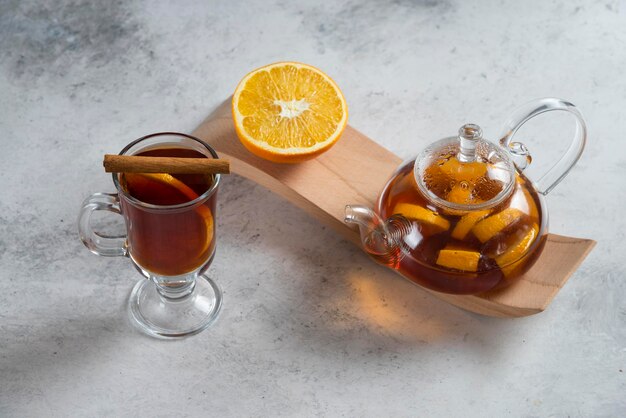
[310,326]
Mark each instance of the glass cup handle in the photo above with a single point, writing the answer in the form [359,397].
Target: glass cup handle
[109,246]
[520,153]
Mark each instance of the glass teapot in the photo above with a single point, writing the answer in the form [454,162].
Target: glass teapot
[462,217]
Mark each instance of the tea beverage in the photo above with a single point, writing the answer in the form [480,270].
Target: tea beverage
[170,236]
[179,241]
[461,217]
[464,252]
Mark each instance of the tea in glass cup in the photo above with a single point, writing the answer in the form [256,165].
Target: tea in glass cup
[170,237]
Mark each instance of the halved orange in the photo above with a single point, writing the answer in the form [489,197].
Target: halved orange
[288,112]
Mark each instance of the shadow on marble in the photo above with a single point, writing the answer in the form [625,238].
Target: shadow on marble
[340,295]
[44,349]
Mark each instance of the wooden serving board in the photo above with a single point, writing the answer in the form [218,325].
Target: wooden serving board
[354,171]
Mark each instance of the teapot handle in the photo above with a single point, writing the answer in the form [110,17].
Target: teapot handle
[520,153]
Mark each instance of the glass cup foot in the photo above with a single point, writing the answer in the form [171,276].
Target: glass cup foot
[162,317]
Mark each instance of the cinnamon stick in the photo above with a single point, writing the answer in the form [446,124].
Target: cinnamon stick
[172,165]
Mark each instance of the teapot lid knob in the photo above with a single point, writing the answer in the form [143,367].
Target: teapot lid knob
[464,172]
[469,134]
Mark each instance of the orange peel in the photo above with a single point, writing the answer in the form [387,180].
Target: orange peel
[513,257]
[467,222]
[422,214]
[203,211]
[491,226]
[458,259]
[459,171]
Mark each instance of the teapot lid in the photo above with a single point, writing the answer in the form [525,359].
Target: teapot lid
[466,172]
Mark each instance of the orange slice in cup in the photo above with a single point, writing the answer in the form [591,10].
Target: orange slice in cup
[137,183]
[140,185]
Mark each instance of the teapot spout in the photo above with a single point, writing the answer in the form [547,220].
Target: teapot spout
[364,217]
[381,239]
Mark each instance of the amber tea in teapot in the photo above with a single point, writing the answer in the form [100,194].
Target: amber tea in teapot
[469,251]
[462,217]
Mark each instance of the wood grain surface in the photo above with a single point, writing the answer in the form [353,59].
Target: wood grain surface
[354,171]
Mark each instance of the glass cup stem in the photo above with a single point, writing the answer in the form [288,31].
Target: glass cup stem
[172,289]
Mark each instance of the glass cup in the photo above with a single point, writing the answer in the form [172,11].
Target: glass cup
[170,245]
